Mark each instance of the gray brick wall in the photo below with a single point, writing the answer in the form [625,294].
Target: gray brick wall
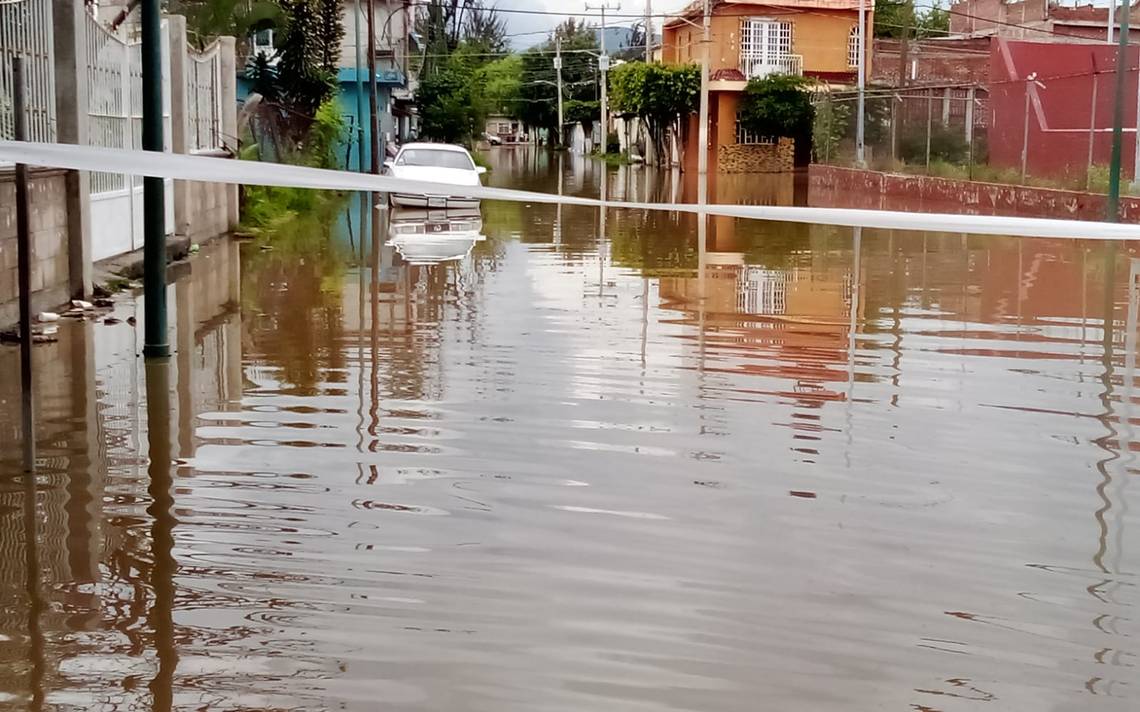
[48,222]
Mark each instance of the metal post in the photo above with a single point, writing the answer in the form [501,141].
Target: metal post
[1118,118]
[861,81]
[648,31]
[154,200]
[24,269]
[929,121]
[558,81]
[373,107]
[603,68]
[1092,129]
[361,163]
[830,130]
[703,114]
[1025,134]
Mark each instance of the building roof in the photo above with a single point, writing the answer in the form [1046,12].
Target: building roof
[694,9]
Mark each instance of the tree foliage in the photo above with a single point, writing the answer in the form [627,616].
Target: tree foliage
[779,105]
[584,112]
[499,83]
[899,19]
[661,95]
[538,97]
[304,52]
[449,107]
[206,20]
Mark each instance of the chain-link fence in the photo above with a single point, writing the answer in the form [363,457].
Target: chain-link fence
[1055,132]
[928,130]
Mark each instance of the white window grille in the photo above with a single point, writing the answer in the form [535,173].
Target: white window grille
[746,137]
[766,48]
[853,47]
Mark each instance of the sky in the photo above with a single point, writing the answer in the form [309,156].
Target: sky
[532,29]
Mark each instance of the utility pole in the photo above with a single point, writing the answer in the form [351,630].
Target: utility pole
[1111,18]
[603,68]
[373,109]
[1118,118]
[860,84]
[648,31]
[155,343]
[558,81]
[703,112]
[361,164]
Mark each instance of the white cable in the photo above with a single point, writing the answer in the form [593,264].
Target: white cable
[223,170]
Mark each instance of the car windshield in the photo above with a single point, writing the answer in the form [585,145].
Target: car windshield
[435,159]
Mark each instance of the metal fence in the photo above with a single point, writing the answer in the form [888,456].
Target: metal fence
[26,30]
[920,129]
[204,98]
[108,99]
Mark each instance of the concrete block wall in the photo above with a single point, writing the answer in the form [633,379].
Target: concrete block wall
[48,220]
[756,158]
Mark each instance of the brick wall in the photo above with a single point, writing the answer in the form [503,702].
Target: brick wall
[756,158]
[47,197]
[833,187]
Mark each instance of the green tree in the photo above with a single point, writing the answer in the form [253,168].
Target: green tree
[661,95]
[780,105]
[449,105]
[499,83]
[307,61]
[538,98]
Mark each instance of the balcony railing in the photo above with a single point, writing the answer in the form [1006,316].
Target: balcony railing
[761,65]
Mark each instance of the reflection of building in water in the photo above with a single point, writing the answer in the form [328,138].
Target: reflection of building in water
[93,543]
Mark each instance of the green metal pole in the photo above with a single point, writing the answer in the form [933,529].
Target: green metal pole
[155,343]
[1118,118]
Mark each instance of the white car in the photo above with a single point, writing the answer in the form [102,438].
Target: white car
[434,163]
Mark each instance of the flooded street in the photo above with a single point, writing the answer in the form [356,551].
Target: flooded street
[584,469]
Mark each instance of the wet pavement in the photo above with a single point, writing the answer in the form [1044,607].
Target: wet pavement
[805,468]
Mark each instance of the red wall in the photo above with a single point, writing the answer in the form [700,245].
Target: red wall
[1064,102]
[833,187]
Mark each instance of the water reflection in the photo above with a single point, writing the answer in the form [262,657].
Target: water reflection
[426,237]
[593,463]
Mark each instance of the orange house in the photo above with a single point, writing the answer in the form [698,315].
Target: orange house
[756,38]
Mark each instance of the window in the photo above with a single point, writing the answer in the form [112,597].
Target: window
[765,47]
[435,158]
[504,128]
[853,47]
[745,137]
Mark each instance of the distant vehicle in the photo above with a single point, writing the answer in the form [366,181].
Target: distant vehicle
[434,163]
[493,139]
[426,237]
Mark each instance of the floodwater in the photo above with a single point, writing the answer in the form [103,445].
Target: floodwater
[802,469]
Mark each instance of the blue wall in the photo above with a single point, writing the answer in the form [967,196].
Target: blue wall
[346,100]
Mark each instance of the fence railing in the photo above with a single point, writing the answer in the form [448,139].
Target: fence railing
[26,30]
[204,98]
[108,98]
[761,64]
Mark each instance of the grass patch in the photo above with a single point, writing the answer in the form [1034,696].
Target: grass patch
[614,159]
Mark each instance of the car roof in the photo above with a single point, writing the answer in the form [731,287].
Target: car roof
[436,147]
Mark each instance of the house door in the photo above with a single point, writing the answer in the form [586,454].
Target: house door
[765,47]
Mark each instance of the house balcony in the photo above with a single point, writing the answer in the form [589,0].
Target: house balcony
[759,65]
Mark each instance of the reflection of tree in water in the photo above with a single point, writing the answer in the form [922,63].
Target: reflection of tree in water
[293,294]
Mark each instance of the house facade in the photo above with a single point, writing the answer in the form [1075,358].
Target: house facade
[755,38]
[1034,20]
